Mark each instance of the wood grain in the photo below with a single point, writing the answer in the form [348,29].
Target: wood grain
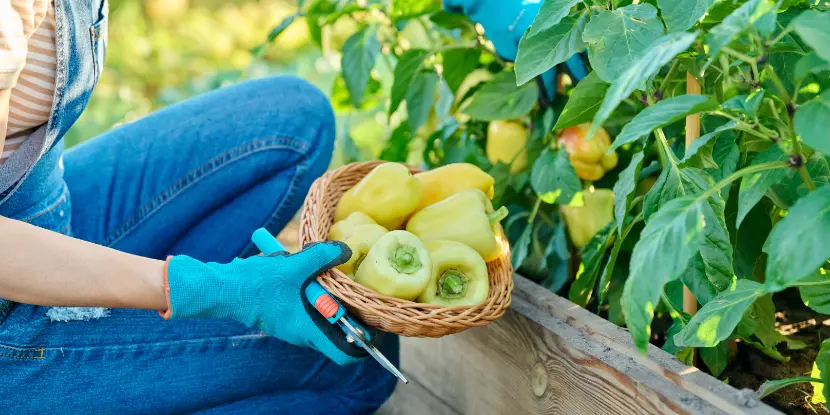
[550,356]
[412,398]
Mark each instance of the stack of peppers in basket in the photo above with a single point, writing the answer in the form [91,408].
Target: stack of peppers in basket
[423,237]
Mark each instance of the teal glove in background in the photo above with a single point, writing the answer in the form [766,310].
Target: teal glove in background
[504,23]
[263,292]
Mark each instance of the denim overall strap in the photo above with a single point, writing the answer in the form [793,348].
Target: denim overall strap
[80,45]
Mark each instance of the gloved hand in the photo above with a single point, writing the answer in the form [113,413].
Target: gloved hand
[265,292]
[505,22]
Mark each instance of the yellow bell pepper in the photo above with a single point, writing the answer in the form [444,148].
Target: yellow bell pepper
[388,194]
[583,222]
[506,142]
[360,242]
[459,276]
[588,157]
[467,217]
[397,265]
[445,181]
[341,230]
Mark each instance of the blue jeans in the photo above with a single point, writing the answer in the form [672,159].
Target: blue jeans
[195,178]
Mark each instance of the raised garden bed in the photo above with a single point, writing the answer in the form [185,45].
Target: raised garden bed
[548,355]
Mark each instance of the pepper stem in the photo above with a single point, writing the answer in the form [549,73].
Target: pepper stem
[452,284]
[404,259]
[359,261]
[497,215]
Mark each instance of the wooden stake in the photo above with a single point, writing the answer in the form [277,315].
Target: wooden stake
[692,134]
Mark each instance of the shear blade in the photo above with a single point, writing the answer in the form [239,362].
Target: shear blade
[358,336]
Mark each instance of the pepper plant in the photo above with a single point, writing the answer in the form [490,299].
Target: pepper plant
[736,215]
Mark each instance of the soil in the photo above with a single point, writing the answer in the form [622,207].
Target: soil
[751,367]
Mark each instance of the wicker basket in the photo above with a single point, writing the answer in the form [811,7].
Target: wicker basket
[406,318]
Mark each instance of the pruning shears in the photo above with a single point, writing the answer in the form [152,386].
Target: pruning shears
[329,307]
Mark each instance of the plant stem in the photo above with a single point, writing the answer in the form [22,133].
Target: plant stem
[664,143]
[780,36]
[673,311]
[795,93]
[671,72]
[740,173]
[533,212]
[805,175]
[779,85]
[450,47]
[771,386]
[739,55]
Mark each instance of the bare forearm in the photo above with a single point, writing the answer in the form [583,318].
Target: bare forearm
[46,268]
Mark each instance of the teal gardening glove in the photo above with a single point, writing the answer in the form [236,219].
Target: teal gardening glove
[265,292]
[505,22]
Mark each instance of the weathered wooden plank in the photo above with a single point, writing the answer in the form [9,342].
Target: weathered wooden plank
[549,356]
[413,399]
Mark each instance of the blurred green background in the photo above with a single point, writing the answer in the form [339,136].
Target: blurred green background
[163,51]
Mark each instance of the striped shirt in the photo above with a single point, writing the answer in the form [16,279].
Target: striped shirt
[32,91]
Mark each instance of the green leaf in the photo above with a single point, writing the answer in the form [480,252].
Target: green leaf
[276,31]
[405,9]
[521,246]
[812,122]
[618,38]
[771,386]
[420,97]
[788,192]
[397,148]
[410,63]
[501,99]
[768,22]
[710,269]
[624,188]
[315,15]
[341,99]
[756,185]
[449,20]
[550,13]
[591,254]
[813,27]
[727,155]
[666,245]
[546,49]
[716,320]
[797,245]
[810,64]
[554,179]
[733,25]
[500,172]
[672,183]
[359,54]
[676,327]
[763,312]
[823,366]
[661,114]
[747,104]
[458,63]
[750,240]
[815,292]
[680,15]
[699,154]
[715,358]
[583,103]
[659,53]
[608,272]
